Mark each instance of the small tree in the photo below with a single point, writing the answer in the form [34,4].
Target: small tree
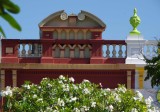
[7,7]
[153,68]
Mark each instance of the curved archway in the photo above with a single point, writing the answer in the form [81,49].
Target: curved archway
[71,35]
[63,34]
[55,35]
[88,35]
[80,35]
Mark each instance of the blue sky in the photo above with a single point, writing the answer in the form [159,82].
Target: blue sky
[114,13]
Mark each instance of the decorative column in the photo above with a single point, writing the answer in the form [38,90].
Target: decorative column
[85,35]
[47,51]
[81,53]
[135,42]
[14,78]
[2,79]
[141,76]
[67,31]
[72,50]
[128,79]
[59,33]
[75,33]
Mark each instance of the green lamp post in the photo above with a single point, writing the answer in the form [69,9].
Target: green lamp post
[135,21]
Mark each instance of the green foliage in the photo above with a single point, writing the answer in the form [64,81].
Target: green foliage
[62,95]
[153,68]
[6,7]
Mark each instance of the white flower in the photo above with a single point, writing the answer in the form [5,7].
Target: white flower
[122,89]
[110,108]
[75,87]
[49,85]
[48,109]
[84,108]
[134,110]
[93,104]
[71,79]
[44,78]
[60,102]
[86,91]
[8,92]
[117,98]
[76,110]
[73,99]
[27,86]
[148,101]
[65,87]
[107,90]
[100,84]
[24,98]
[60,82]
[138,96]
[61,77]
[40,100]
[34,96]
[85,80]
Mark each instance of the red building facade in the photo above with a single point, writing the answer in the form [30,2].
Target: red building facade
[68,45]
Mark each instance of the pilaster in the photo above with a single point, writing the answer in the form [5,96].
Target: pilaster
[14,78]
[2,79]
[135,45]
[128,79]
[141,76]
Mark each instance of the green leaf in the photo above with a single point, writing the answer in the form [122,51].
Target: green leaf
[2,32]
[11,21]
[11,7]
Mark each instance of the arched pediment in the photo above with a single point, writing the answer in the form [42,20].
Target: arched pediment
[88,20]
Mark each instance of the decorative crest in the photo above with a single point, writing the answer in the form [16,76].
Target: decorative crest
[135,21]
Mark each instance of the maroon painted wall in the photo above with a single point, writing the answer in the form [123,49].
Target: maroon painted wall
[108,78]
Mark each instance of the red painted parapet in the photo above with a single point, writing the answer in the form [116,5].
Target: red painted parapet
[63,51]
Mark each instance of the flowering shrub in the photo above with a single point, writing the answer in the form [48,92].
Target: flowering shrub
[62,95]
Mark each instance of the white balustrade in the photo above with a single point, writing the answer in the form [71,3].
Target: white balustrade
[114,51]
[150,48]
[30,50]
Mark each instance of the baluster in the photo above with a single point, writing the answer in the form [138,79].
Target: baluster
[125,52]
[39,49]
[29,50]
[153,51]
[120,52]
[19,53]
[107,51]
[148,51]
[36,50]
[23,52]
[114,51]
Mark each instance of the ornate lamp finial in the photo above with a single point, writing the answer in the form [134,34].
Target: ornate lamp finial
[135,21]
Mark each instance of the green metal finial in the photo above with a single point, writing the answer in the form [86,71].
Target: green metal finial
[135,21]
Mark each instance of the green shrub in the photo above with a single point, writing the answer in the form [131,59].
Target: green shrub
[62,95]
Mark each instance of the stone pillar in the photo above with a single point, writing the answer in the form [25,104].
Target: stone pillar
[75,33]
[59,33]
[85,34]
[14,78]
[135,45]
[62,53]
[141,77]
[81,53]
[67,34]
[71,53]
[2,79]
[128,79]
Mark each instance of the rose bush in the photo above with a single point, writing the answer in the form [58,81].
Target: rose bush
[63,95]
